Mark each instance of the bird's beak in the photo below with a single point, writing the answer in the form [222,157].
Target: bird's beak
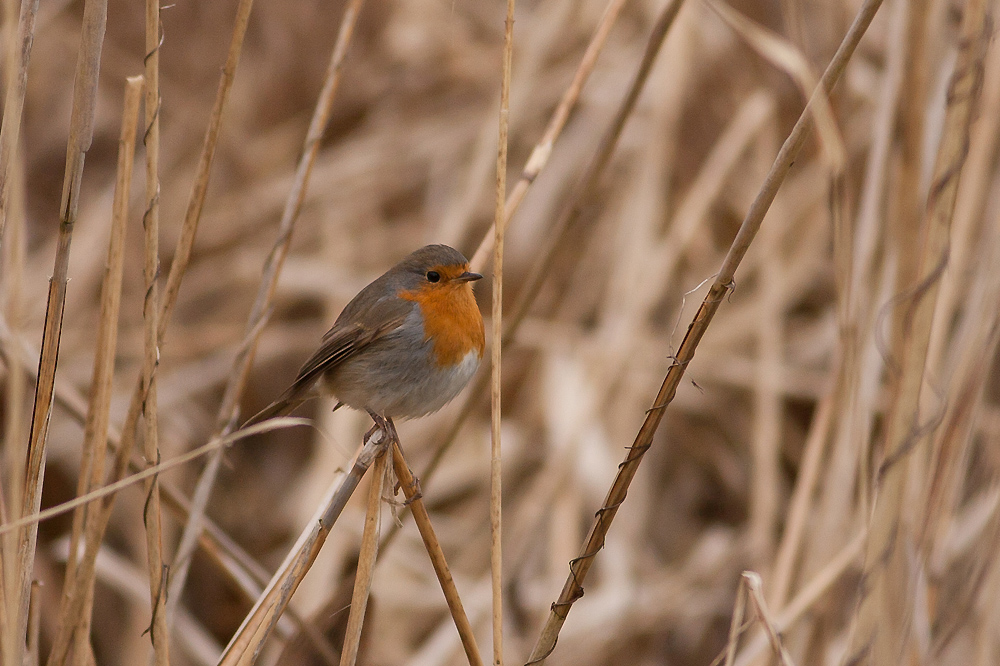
[469,277]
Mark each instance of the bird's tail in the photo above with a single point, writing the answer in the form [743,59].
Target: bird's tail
[279,407]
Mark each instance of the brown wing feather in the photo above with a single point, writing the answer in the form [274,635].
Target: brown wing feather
[339,343]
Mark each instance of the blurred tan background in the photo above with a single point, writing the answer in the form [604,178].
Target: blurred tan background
[408,159]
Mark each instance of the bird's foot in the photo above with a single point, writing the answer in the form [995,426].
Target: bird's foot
[384,424]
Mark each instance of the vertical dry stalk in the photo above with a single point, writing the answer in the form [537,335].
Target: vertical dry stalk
[366,565]
[881,634]
[411,490]
[571,212]
[904,225]
[96,425]
[80,135]
[496,495]
[151,515]
[243,362]
[199,188]
[246,643]
[573,588]
[12,254]
[10,131]
[543,149]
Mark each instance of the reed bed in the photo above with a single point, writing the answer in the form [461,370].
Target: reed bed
[772,325]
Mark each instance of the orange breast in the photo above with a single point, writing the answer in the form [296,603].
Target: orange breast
[452,319]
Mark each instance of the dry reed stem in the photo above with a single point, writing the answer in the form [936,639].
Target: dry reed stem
[185,241]
[786,56]
[736,623]
[881,634]
[19,54]
[798,508]
[182,256]
[366,564]
[571,212]
[199,188]
[96,425]
[573,588]
[245,645]
[909,196]
[542,151]
[414,499]
[229,407]
[34,624]
[151,514]
[496,495]
[80,137]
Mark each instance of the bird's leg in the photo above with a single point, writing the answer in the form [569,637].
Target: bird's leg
[385,425]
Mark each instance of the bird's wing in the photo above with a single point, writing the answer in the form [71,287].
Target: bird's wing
[339,343]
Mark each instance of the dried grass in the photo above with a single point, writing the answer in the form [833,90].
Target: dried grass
[813,374]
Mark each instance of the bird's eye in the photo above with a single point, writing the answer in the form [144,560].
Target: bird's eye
[433,276]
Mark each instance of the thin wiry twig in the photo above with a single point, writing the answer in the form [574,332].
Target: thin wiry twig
[96,426]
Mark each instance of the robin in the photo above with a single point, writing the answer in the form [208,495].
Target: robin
[403,347]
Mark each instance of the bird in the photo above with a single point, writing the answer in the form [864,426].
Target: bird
[402,348]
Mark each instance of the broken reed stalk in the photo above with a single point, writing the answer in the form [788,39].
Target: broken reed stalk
[540,154]
[881,631]
[414,499]
[240,372]
[584,187]
[579,567]
[246,643]
[808,596]
[496,494]
[10,130]
[159,633]
[735,625]
[81,133]
[366,564]
[95,432]
[753,585]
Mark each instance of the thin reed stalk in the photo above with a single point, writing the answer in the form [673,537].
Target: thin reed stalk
[80,136]
[96,426]
[496,494]
[414,499]
[366,564]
